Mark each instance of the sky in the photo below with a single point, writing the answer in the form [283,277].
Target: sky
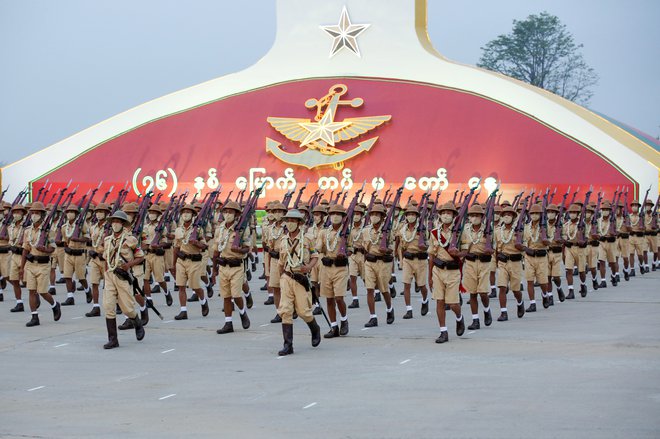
[68,64]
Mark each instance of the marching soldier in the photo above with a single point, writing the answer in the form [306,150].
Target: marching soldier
[35,265]
[97,262]
[445,275]
[555,255]
[274,240]
[155,256]
[13,261]
[297,258]
[334,276]
[651,235]
[536,257]
[188,262]
[623,241]
[266,226]
[607,252]
[637,238]
[378,264]
[75,257]
[319,213]
[575,252]
[121,254]
[356,259]
[593,244]
[228,263]
[415,260]
[497,221]
[509,265]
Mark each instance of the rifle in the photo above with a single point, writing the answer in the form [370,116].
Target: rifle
[654,215]
[581,222]
[520,224]
[138,223]
[132,280]
[626,214]
[453,200]
[80,221]
[39,192]
[574,195]
[459,221]
[4,235]
[2,196]
[422,225]
[200,220]
[60,222]
[434,211]
[489,215]
[387,225]
[300,192]
[544,214]
[460,199]
[517,199]
[641,208]
[559,221]
[615,201]
[367,218]
[385,197]
[348,223]
[158,230]
[48,221]
[343,198]
[287,197]
[596,215]
[105,196]
[552,196]
[244,220]
[115,207]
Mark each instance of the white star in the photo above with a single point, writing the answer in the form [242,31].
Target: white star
[345,34]
[322,130]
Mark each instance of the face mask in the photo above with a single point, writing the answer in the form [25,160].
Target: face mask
[318,218]
[278,216]
[187,216]
[552,215]
[117,227]
[635,209]
[153,216]
[35,217]
[588,215]
[130,217]
[17,216]
[535,216]
[375,219]
[496,217]
[475,220]
[270,217]
[606,213]
[572,215]
[100,215]
[446,218]
[649,211]
[336,219]
[357,217]
[70,216]
[411,218]
[507,219]
[291,226]
[229,217]
[88,215]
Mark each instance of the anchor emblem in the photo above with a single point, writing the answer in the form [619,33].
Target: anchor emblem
[319,138]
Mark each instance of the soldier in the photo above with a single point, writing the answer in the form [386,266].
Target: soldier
[637,238]
[356,259]
[445,275]
[35,265]
[334,276]
[651,234]
[497,222]
[623,241]
[121,254]
[13,261]
[415,259]
[607,252]
[228,263]
[476,268]
[536,257]
[266,226]
[575,252]
[155,256]
[188,262]
[378,264]
[554,256]
[75,257]
[320,214]
[509,264]
[274,240]
[297,258]
[593,244]
[97,262]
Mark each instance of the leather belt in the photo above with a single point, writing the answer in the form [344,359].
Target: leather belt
[555,249]
[509,258]
[373,258]
[228,262]
[194,258]
[410,256]
[38,259]
[472,257]
[337,262]
[539,253]
[74,251]
[446,265]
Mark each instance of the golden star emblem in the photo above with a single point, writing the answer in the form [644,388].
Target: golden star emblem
[322,130]
[345,34]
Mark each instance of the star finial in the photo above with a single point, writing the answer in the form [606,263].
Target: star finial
[344,34]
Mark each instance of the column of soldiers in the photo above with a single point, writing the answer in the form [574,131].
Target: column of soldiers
[321,249]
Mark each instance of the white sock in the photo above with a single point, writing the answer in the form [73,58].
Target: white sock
[270,295]
[242,310]
[475,316]
[69,295]
[333,324]
[51,286]
[390,309]
[570,287]
[582,283]
[142,308]
[458,319]
[503,310]
[408,307]
[487,309]
[54,304]
[203,301]
[35,313]
[343,318]
[532,302]
[96,305]
[19,301]
[228,319]
[373,316]
[425,301]
[443,329]
[521,302]
[184,308]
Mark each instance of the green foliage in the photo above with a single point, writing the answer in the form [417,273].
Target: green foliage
[542,52]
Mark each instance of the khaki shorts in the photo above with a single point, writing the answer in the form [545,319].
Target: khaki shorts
[230,280]
[37,277]
[4,264]
[476,276]
[591,253]
[58,258]
[446,284]
[377,275]
[333,281]
[623,245]
[154,265]
[294,296]
[96,271]
[188,273]
[554,264]
[115,291]
[607,251]
[274,274]
[536,269]
[356,265]
[169,258]
[652,243]
[416,268]
[314,275]
[74,265]
[575,256]
[638,245]
[509,274]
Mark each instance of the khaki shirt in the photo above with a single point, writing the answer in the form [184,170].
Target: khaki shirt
[31,238]
[501,234]
[181,237]
[97,234]
[371,239]
[290,250]
[328,242]
[532,237]
[570,231]
[67,231]
[405,235]
[116,255]
[636,223]
[440,237]
[223,239]
[474,242]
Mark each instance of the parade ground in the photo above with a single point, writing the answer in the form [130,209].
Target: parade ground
[584,368]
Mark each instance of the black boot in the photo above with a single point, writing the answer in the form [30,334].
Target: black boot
[128,324]
[390,317]
[408,315]
[113,342]
[632,273]
[425,308]
[205,309]
[392,291]
[245,320]
[168,299]
[69,301]
[521,310]
[488,318]
[570,296]
[460,326]
[248,276]
[332,333]
[343,327]
[155,289]
[626,276]
[209,290]
[317,311]
[316,332]
[354,304]
[276,319]
[493,293]
[444,337]
[269,301]
[583,290]
[546,302]
[475,325]
[287,334]
[57,311]
[264,288]
[504,316]
[371,323]
[377,297]
[18,308]
[531,308]
[118,309]
[612,280]
[560,294]
[603,284]
[229,327]
[144,316]
[34,321]
[88,295]
[248,301]
[52,291]
[551,300]
[183,315]
[95,312]
[594,284]
[193,298]
[139,330]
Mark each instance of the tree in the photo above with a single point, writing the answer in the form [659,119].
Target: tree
[542,52]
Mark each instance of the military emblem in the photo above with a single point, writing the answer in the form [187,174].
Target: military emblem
[319,138]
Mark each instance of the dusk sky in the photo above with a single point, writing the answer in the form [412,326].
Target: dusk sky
[69,64]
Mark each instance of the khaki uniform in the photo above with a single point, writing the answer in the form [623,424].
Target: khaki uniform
[37,271]
[189,266]
[536,267]
[356,259]
[623,237]
[651,234]
[378,265]
[476,272]
[509,259]
[117,251]
[555,252]
[334,275]
[313,233]
[274,241]
[294,295]
[415,261]
[608,247]
[75,258]
[14,233]
[446,271]
[575,254]
[265,236]
[638,242]
[97,261]
[154,258]
[231,274]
